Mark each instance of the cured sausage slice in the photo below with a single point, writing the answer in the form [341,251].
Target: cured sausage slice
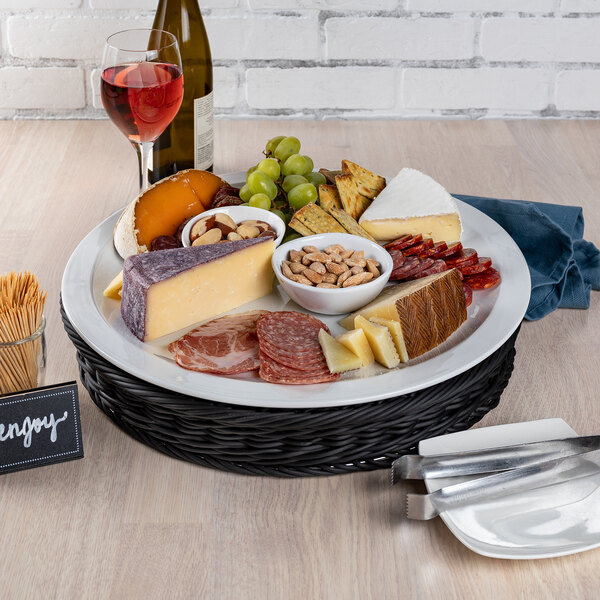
[467,256]
[404,242]
[483,264]
[409,264]
[424,263]
[468,295]
[452,249]
[418,248]
[483,281]
[223,346]
[434,250]
[274,372]
[291,330]
[290,352]
[438,266]
[397,258]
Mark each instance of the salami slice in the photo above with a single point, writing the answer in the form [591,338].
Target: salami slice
[404,242]
[397,258]
[483,264]
[467,256]
[224,346]
[274,372]
[434,250]
[452,249]
[438,266]
[423,263]
[483,281]
[409,264]
[306,361]
[468,295]
[418,248]
[290,330]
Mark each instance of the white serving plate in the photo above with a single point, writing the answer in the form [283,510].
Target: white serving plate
[543,523]
[492,317]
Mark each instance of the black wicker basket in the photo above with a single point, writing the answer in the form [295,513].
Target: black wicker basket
[290,442]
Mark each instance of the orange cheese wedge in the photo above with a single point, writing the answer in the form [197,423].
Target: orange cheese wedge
[162,208]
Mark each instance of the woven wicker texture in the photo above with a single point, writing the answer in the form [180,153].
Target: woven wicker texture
[292,442]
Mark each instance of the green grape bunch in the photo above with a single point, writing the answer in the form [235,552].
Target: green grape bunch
[283,181]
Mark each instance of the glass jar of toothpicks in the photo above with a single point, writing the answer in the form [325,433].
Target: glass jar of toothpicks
[22,341]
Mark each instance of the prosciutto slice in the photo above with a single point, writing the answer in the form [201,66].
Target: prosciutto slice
[223,346]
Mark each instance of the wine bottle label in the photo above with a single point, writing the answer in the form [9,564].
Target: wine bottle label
[203,132]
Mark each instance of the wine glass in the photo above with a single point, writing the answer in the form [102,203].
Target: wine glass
[142,87]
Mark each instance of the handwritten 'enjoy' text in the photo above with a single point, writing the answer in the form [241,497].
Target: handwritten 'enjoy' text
[13,430]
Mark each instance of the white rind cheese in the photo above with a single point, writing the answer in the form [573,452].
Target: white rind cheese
[413,203]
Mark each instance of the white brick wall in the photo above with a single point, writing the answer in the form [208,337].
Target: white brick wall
[326,58]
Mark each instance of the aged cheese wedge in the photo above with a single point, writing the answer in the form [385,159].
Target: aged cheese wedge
[356,341]
[339,358]
[162,207]
[396,333]
[113,289]
[168,290]
[429,310]
[381,342]
[413,203]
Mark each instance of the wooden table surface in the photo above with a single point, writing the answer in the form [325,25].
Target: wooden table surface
[128,522]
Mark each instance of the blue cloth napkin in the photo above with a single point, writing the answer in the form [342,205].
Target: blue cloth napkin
[563,266]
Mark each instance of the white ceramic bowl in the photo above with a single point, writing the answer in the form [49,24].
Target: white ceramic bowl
[238,214]
[340,300]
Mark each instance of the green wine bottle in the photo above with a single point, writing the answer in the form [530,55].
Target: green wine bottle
[188,141]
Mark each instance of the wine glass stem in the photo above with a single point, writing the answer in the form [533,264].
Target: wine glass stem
[144,152]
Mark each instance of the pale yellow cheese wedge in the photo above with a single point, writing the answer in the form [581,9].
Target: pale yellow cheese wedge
[356,341]
[381,342]
[339,358]
[113,290]
[396,332]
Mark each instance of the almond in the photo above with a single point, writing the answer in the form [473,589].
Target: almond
[297,267]
[313,276]
[296,256]
[363,277]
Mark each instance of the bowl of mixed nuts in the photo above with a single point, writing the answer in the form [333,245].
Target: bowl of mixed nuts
[232,223]
[332,273]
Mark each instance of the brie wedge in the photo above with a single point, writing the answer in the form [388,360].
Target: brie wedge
[413,203]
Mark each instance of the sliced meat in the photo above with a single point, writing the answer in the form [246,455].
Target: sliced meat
[483,281]
[402,242]
[290,352]
[467,256]
[468,295]
[483,264]
[452,249]
[434,250]
[274,372]
[409,264]
[438,266]
[225,346]
[418,248]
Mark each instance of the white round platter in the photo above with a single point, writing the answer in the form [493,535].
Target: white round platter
[492,317]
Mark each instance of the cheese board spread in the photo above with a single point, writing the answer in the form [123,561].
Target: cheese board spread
[489,322]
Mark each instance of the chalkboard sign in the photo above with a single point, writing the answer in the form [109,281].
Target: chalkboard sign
[39,427]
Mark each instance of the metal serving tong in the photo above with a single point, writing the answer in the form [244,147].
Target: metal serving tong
[523,467]
[492,460]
